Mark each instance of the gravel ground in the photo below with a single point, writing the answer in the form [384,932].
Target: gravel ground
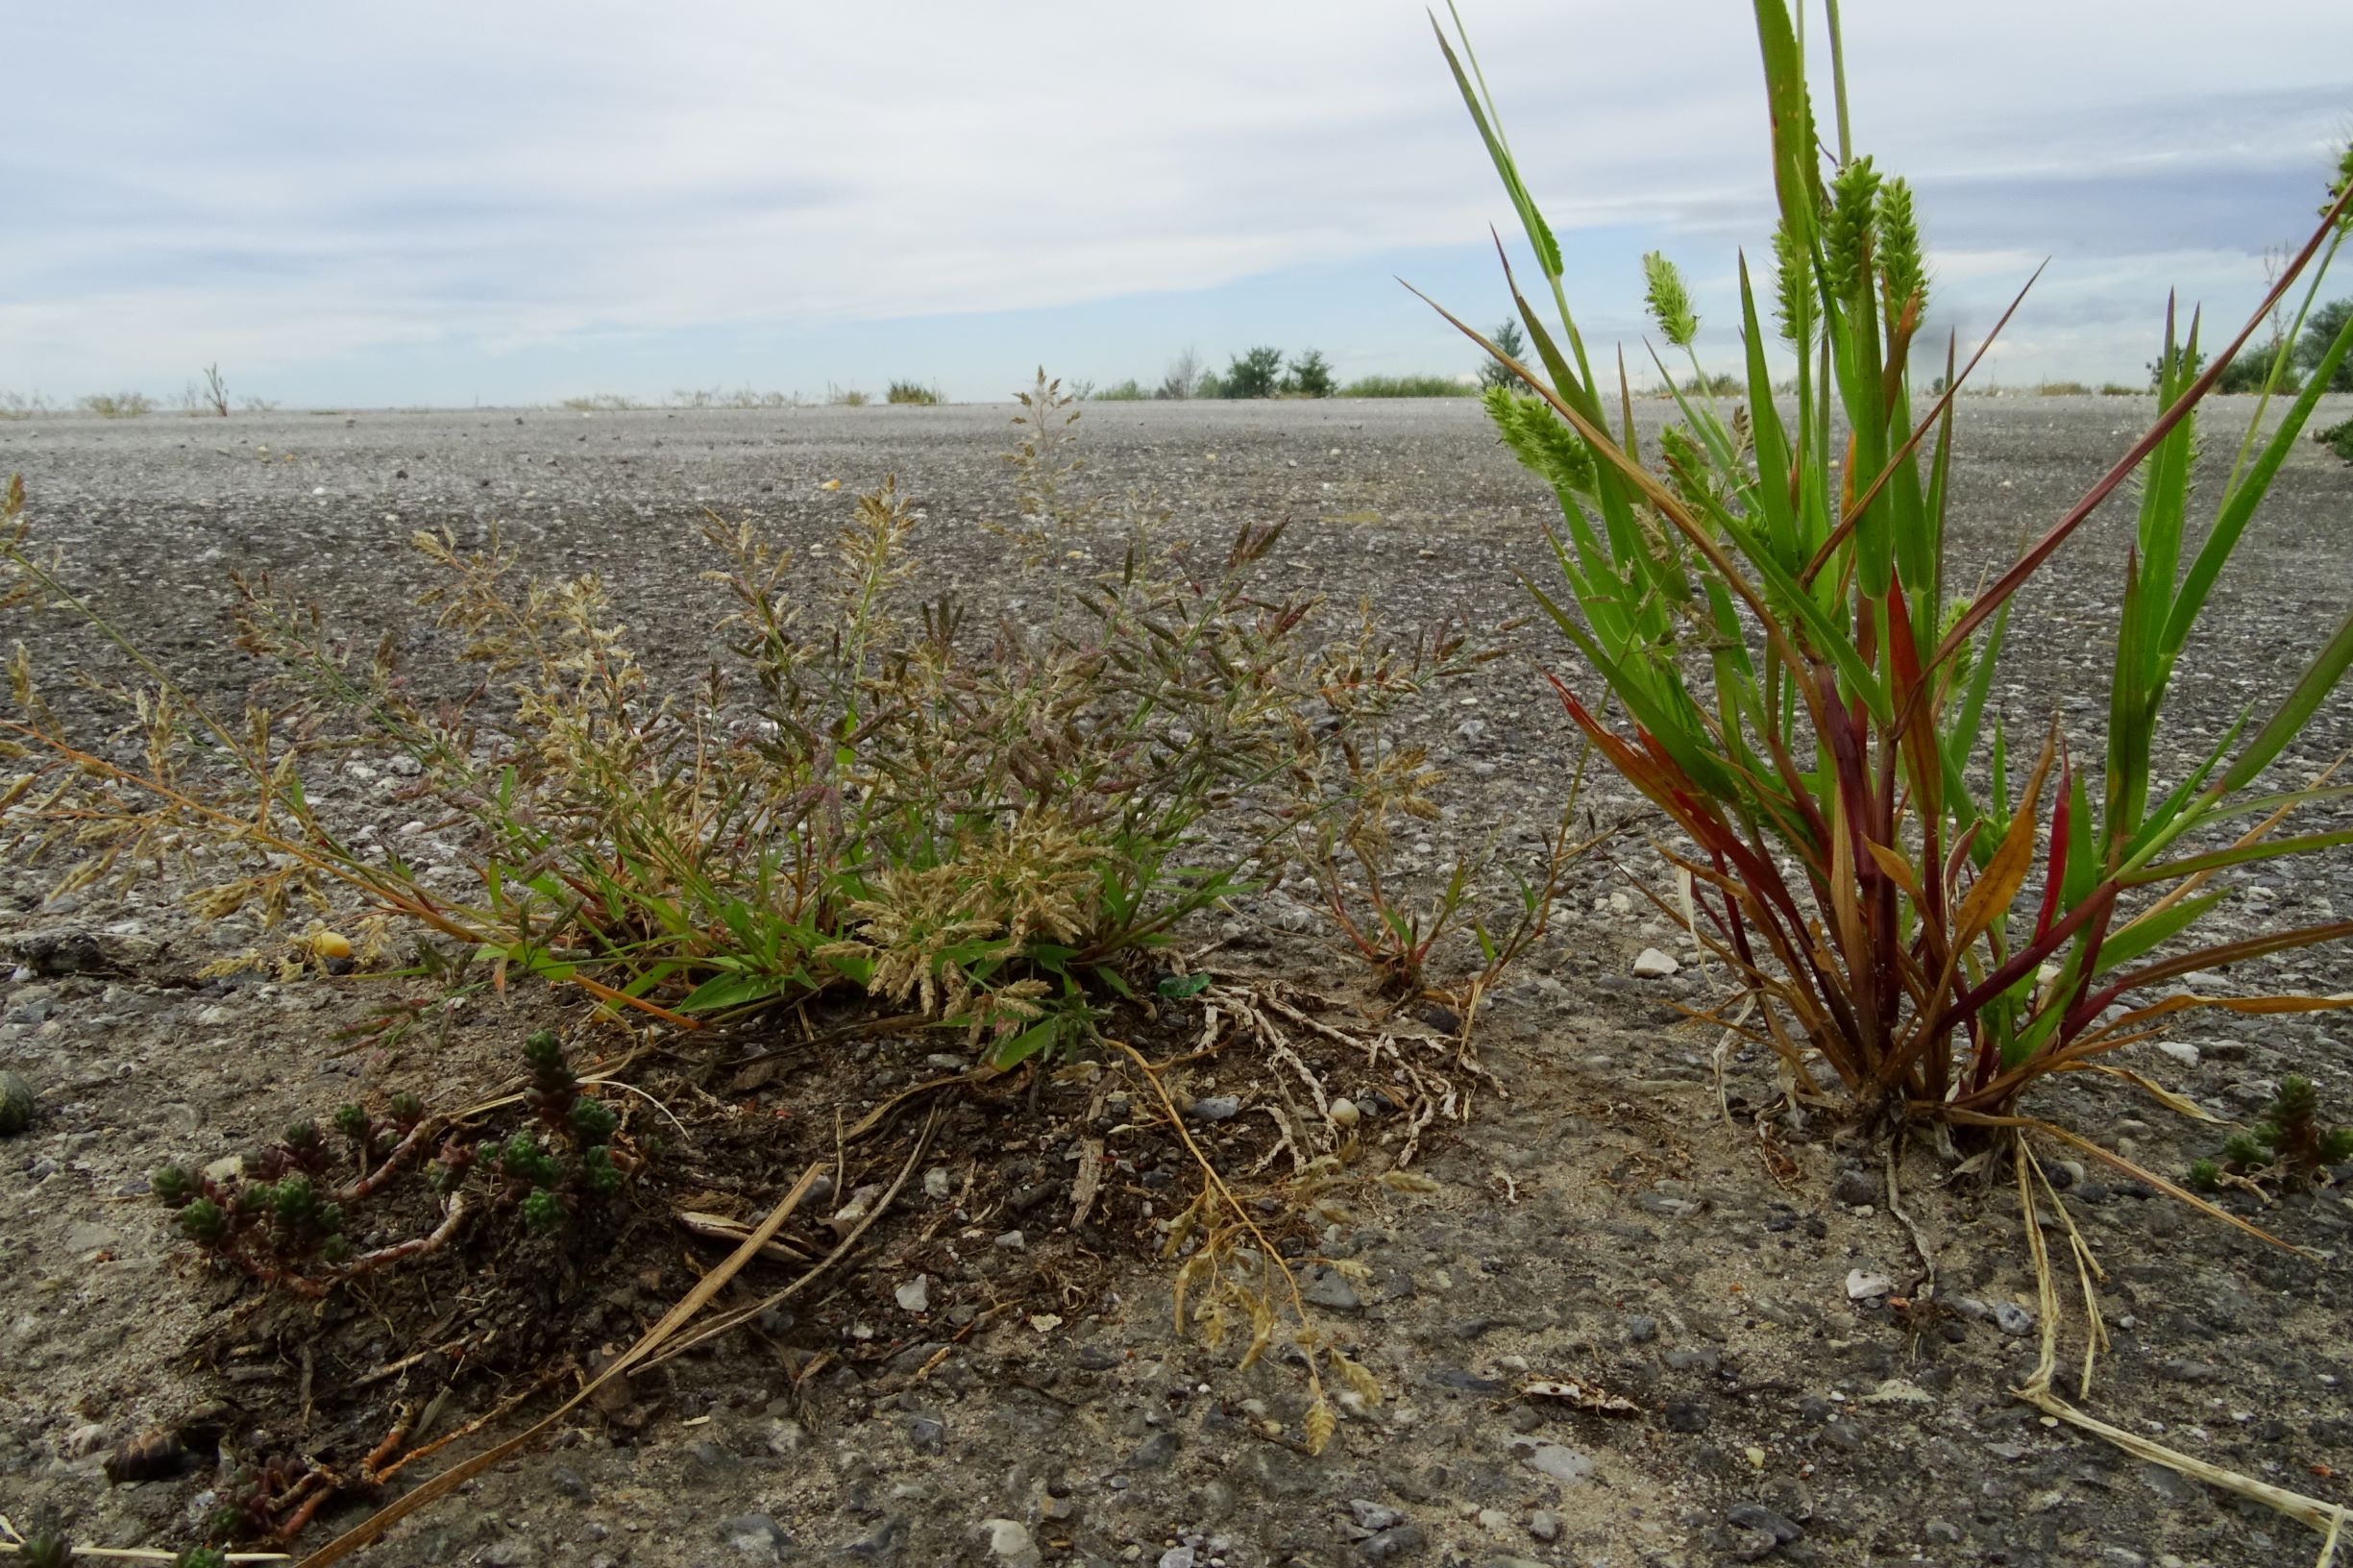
[1599,1220]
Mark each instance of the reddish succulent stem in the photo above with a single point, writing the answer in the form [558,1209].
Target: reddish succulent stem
[385,1172]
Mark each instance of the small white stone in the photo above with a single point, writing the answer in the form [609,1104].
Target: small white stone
[1344,1113]
[936,1183]
[2180,1050]
[1654,965]
[1009,1542]
[915,1296]
[1862,1287]
[1561,1463]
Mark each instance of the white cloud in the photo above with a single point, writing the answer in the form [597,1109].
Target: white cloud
[307,182]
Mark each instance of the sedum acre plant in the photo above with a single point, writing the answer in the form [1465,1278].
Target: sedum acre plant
[1937,911]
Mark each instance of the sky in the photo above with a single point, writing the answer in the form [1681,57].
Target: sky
[450,204]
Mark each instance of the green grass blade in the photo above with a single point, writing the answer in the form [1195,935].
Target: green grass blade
[2240,506]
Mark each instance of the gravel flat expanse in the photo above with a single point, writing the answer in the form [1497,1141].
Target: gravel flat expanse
[1600,1219]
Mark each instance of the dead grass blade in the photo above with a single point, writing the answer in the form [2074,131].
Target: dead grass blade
[1980,1118]
[2328,1518]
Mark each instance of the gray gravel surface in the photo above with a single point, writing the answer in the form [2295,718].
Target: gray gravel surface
[1600,1221]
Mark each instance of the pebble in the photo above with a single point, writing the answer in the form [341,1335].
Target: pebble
[2180,1050]
[1544,1525]
[915,1296]
[1641,1330]
[1373,1516]
[1558,1460]
[1757,1516]
[83,1236]
[1156,1451]
[1856,1188]
[1009,1542]
[755,1536]
[1672,1207]
[1011,1241]
[1654,965]
[2012,1318]
[1396,1541]
[1214,1108]
[1330,1289]
[937,1183]
[1862,1286]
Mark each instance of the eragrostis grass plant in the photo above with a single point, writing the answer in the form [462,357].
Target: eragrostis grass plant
[1934,912]
[992,827]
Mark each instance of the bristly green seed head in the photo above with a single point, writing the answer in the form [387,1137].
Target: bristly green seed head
[2336,188]
[1900,268]
[1670,302]
[1794,284]
[2337,1147]
[2205,1175]
[1847,246]
[407,1110]
[200,1556]
[351,1122]
[2243,1153]
[1538,438]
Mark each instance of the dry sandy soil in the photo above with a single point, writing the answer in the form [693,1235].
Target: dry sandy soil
[1597,1217]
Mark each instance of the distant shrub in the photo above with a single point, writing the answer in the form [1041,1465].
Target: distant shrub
[1723,383]
[2063,389]
[2117,389]
[1127,391]
[1211,385]
[1184,377]
[2338,440]
[17,405]
[911,392]
[1254,374]
[742,397]
[598,403]
[2321,330]
[2252,369]
[1491,371]
[847,398]
[1408,386]
[1310,376]
[118,405]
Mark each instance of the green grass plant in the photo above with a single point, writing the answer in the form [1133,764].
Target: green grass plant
[1933,912]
